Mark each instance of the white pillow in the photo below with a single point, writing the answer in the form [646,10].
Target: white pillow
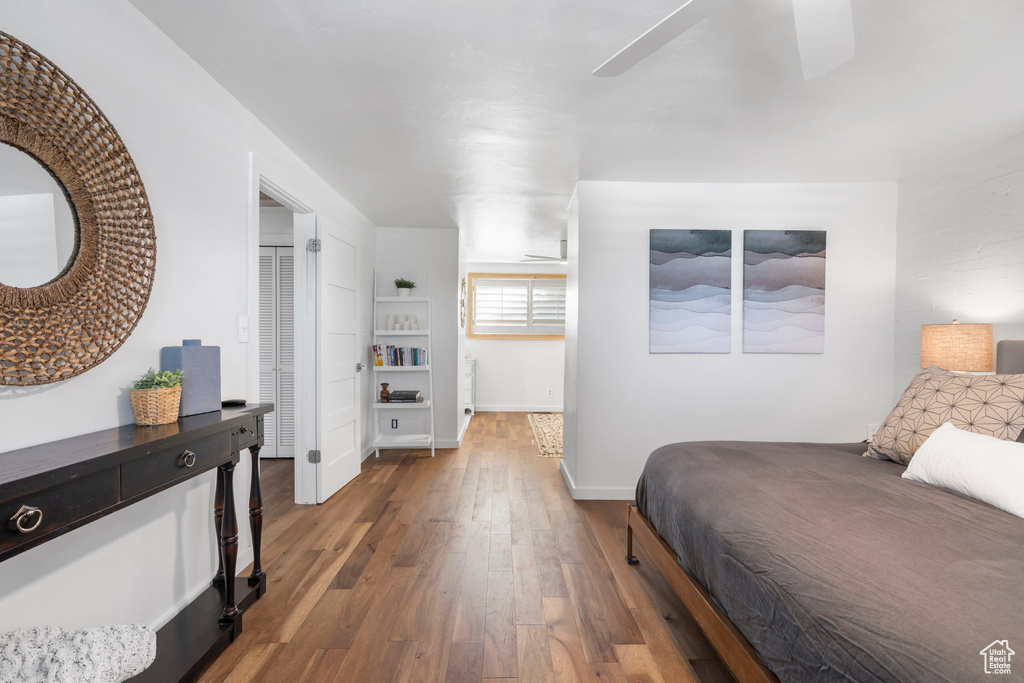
[982,467]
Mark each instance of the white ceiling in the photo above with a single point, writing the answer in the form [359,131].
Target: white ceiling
[484,113]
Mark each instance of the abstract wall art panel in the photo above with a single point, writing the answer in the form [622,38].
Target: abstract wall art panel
[690,291]
[784,291]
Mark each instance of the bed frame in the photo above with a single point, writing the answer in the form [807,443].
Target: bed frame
[735,650]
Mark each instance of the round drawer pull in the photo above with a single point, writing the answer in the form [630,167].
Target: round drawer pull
[27,519]
[248,432]
[188,459]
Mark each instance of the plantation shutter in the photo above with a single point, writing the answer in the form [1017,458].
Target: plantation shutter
[501,306]
[518,306]
[548,304]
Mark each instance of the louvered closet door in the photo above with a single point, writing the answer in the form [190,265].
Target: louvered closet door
[268,347]
[277,349]
[285,352]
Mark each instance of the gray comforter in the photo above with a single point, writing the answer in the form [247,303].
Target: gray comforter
[834,567]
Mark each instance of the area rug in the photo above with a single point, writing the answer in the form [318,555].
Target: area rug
[547,432]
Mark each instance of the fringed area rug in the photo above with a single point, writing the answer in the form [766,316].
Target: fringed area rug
[547,431]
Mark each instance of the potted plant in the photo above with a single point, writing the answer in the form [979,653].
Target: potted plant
[156,397]
[404,286]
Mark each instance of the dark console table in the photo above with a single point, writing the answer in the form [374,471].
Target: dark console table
[50,489]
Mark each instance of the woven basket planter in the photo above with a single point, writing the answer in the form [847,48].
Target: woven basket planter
[155,406]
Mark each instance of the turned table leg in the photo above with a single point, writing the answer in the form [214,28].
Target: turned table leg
[218,517]
[229,545]
[256,518]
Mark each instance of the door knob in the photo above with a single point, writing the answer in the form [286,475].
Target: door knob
[360,367]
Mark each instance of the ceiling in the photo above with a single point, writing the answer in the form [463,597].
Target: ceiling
[483,114]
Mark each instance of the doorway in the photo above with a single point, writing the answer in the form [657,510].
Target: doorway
[277,326]
[304,304]
[276,341]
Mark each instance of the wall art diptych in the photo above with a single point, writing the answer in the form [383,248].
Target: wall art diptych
[690,299]
[783,291]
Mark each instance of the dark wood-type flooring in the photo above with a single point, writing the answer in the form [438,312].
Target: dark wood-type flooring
[474,565]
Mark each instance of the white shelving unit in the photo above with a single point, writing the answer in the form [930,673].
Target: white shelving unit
[401,305]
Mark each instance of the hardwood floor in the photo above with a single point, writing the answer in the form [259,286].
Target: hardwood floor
[474,565]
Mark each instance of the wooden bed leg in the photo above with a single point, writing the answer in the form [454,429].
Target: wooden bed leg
[630,557]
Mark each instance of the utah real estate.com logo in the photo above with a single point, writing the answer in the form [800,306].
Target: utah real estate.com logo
[997,657]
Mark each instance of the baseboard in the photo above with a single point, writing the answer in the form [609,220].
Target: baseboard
[465,426]
[567,478]
[244,560]
[594,492]
[367,452]
[599,493]
[518,409]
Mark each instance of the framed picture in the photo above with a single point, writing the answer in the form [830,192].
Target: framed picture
[784,291]
[691,293]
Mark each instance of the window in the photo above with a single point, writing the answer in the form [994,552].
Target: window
[516,306]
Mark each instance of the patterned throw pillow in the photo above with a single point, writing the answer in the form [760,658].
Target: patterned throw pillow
[992,405]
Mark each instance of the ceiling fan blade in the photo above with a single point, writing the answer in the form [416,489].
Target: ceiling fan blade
[824,35]
[657,37]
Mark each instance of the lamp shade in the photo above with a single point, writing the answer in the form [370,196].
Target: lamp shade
[957,347]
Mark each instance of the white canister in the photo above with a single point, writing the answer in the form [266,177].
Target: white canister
[389,322]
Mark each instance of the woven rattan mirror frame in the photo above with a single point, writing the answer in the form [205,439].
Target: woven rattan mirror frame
[77,320]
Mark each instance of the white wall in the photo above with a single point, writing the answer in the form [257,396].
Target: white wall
[960,249]
[277,226]
[410,253]
[514,375]
[630,402]
[193,144]
[570,409]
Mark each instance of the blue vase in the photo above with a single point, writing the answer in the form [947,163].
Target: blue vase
[200,385]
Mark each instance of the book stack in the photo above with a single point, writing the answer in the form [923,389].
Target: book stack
[398,356]
[405,397]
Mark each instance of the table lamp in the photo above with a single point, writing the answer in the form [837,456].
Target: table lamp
[957,347]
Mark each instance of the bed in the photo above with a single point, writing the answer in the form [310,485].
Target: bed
[808,562]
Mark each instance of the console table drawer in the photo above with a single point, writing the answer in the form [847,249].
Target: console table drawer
[249,433]
[57,507]
[160,469]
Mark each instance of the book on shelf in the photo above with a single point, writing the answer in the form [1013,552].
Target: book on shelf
[405,396]
[399,356]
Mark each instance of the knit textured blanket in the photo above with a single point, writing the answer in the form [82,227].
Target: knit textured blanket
[47,654]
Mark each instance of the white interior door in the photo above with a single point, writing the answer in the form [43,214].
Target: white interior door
[338,381]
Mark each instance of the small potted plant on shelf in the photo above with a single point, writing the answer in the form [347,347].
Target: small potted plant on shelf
[404,286]
[156,397]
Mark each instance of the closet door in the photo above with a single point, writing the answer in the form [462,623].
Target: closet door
[285,407]
[277,350]
[268,347]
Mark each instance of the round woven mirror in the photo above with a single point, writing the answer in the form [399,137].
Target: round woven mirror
[83,272]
